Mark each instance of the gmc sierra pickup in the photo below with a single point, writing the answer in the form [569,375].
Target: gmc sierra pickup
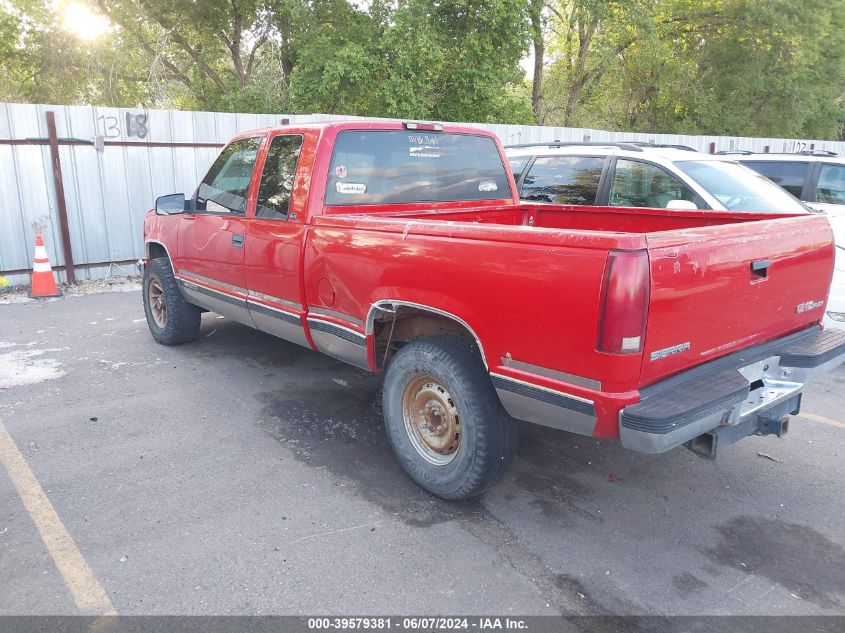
[403,248]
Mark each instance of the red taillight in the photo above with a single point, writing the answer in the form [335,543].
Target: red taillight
[624,303]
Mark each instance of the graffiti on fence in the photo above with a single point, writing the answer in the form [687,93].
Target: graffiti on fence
[137,126]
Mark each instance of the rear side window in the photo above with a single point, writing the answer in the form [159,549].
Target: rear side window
[224,188]
[386,166]
[638,184]
[564,179]
[831,188]
[277,178]
[789,175]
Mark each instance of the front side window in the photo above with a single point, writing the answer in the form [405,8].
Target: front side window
[831,188]
[405,166]
[277,178]
[638,184]
[789,175]
[564,180]
[738,188]
[226,185]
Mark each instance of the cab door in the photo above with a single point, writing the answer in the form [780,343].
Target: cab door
[210,255]
[275,235]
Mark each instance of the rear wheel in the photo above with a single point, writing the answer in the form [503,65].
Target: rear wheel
[171,319]
[444,419]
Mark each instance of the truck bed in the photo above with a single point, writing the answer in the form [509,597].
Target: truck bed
[509,268]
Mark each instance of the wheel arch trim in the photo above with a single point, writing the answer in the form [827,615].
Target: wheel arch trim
[377,305]
[159,243]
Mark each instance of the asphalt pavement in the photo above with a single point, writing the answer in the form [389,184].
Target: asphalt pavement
[241,474]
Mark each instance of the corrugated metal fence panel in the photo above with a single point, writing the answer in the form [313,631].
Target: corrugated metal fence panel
[108,192]
[12,235]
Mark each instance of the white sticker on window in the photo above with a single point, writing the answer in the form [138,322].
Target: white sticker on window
[340,171]
[488,185]
[351,187]
[424,146]
[424,151]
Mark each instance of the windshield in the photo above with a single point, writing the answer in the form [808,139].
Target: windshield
[739,188]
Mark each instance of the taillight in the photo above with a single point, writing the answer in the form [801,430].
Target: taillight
[624,303]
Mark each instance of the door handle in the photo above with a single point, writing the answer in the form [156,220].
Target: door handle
[238,240]
[760,268]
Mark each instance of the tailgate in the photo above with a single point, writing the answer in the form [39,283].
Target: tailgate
[718,289]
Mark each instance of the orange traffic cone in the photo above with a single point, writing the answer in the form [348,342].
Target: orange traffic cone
[43,282]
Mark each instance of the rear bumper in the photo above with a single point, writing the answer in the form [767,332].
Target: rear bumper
[741,394]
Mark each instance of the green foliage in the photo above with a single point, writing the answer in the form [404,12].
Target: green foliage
[450,59]
[736,67]
[40,62]
[444,59]
[730,67]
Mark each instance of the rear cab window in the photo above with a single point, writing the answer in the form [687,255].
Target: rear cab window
[407,166]
[277,178]
[788,174]
[564,180]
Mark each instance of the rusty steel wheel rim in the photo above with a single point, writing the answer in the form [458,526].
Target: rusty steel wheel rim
[158,307]
[431,420]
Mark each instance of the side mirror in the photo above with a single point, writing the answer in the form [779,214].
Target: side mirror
[170,204]
[681,205]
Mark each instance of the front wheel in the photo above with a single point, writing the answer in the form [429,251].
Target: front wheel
[171,319]
[444,419]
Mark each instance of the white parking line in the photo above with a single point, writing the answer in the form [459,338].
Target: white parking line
[87,592]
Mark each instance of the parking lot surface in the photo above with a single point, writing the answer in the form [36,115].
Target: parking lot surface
[245,475]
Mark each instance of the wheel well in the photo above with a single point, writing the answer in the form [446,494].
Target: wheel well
[155,250]
[394,327]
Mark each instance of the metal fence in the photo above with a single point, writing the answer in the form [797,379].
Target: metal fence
[113,162]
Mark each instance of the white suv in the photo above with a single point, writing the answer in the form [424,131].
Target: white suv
[678,177]
[642,175]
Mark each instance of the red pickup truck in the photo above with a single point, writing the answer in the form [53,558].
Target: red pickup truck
[403,248]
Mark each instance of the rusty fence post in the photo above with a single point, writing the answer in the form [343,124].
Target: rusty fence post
[60,196]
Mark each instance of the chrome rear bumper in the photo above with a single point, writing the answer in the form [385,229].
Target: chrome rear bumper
[746,393]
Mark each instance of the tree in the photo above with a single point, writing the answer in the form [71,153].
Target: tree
[212,49]
[482,43]
[773,68]
[455,60]
[536,10]
[41,62]
[706,66]
[443,59]
[337,67]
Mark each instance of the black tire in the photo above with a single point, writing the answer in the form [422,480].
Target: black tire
[181,321]
[488,436]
